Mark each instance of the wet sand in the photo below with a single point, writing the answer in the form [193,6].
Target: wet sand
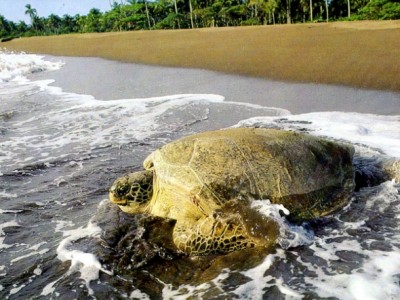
[358,54]
[108,80]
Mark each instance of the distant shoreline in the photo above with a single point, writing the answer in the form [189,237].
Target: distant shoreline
[363,54]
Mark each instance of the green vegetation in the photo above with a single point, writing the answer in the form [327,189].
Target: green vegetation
[179,14]
[380,10]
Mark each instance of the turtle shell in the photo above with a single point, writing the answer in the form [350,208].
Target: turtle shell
[310,176]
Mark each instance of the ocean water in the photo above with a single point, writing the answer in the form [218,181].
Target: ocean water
[60,151]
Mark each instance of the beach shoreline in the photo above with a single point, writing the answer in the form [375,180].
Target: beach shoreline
[112,80]
[355,54]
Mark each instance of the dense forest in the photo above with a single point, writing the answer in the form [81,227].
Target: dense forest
[180,14]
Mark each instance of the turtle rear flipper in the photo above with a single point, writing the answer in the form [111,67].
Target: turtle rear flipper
[227,230]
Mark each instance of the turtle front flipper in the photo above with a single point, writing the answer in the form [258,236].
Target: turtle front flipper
[231,228]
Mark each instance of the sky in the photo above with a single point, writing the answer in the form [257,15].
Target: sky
[14,10]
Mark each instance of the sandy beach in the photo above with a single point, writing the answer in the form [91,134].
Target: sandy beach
[358,54]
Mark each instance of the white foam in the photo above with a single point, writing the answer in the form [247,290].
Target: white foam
[136,294]
[2,272]
[38,271]
[60,225]
[4,194]
[290,235]
[272,110]
[9,211]
[380,200]
[85,263]
[49,288]
[37,246]
[258,282]
[376,280]
[16,288]
[81,123]
[16,65]
[2,233]
[34,253]
[186,291]
[375,131]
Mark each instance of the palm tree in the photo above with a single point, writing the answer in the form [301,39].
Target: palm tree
[92,22]
[4,26]
[21,27]
[32,14]
[54,23]
[68,24]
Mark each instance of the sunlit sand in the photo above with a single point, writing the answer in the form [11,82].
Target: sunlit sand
[360,54]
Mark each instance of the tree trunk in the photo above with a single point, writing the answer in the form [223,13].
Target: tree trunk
[311,12]
[348,8]
[288,12]
[191,13]
[176,12]
[124,14]
[327,11]
[147,14]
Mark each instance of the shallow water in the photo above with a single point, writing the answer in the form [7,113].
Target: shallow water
[59,153]
[110,80]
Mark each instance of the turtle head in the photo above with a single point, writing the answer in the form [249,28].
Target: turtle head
[133,192]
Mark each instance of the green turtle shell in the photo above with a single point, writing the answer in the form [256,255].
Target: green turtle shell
[197,174]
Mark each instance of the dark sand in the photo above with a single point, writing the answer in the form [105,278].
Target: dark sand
[359,54]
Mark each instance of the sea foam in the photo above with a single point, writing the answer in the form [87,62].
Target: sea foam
[374,131]
[16,65]
[85,263]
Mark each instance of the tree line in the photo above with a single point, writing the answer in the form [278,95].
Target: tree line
[179,14]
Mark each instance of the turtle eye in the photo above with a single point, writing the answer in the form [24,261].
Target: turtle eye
[122,190]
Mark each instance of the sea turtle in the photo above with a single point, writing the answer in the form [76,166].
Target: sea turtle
[207,181]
